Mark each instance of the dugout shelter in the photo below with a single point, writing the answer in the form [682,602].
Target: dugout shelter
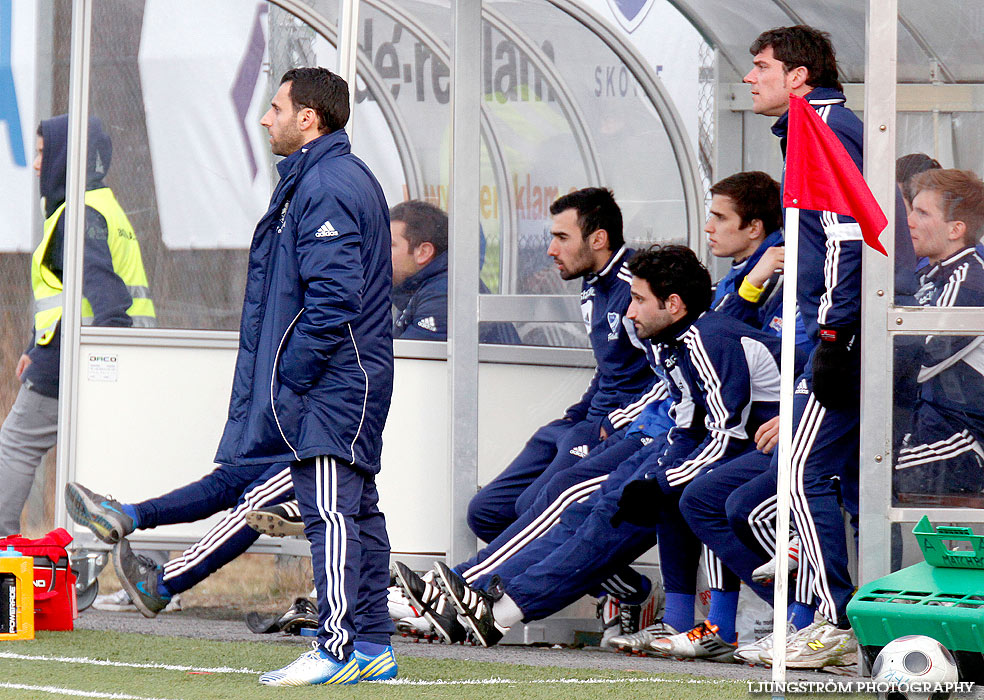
[489,109]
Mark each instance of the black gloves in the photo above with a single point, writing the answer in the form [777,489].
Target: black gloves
[641,503]
[837,368]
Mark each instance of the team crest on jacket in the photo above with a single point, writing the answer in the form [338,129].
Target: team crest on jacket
[614,321]
[283,217]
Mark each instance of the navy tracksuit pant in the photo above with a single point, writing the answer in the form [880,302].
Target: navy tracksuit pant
[236,489]
[750,514]
[705,505]
[582,551]
[824,477]
[349,552]
[552,449]
[564,488]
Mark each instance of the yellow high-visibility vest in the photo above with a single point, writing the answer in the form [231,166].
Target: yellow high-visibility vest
[127,263]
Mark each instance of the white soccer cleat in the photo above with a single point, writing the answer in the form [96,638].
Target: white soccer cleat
[818,645]
[751,653]
[702,642]
[416,626]
[121,602]
[767,572]
[639,641]
[399,605]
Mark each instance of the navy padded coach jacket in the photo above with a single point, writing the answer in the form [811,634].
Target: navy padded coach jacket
[314,373]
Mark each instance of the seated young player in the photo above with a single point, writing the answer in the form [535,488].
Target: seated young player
[943,453]
[714,408]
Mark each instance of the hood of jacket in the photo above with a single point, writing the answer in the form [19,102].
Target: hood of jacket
[54,161]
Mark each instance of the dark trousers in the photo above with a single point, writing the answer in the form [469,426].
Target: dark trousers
[349,552]
[564,488]
[582,551]
[703,505]
[551,449]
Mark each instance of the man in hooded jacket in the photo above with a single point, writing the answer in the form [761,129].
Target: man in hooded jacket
[115,293]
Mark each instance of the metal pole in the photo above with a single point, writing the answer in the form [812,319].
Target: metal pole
[878,283]
[466,84]
[78,120]
[348,47]
[787,381]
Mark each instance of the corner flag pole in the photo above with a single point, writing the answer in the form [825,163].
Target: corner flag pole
[786,388]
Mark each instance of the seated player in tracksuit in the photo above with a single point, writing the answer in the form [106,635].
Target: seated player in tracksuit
[587,243]
[942,453]
[714,407]
[743,225]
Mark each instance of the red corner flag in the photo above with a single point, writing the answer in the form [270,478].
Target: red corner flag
[820,175]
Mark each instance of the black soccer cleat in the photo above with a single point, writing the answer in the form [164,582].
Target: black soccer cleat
[281,520]
[101,514]
[139,577]
[302,614]
[427,598]
[473,604]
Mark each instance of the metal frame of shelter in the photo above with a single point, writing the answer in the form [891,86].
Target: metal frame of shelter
[882,320]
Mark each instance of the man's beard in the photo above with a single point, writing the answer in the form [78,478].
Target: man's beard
[287,143]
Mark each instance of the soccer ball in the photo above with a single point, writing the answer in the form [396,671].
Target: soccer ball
[914,659]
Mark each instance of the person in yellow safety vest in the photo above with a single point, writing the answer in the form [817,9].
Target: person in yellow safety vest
[115,293]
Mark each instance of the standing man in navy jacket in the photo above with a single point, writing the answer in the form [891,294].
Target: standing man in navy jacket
[310,396]
[800,60]
[314,375]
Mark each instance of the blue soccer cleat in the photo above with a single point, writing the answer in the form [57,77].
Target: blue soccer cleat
[381,667]
[315,667]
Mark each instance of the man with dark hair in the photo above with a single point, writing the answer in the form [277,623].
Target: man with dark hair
[943,453]
[319,90]
[310,396]
[115,293]
[587,242]
[800,60]
[420,277]
[714,409]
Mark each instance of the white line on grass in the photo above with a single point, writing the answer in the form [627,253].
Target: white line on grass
[124,664]
[73,692]
[396,681]
[559,681]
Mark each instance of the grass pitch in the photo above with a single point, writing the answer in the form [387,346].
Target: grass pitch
[92,664]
